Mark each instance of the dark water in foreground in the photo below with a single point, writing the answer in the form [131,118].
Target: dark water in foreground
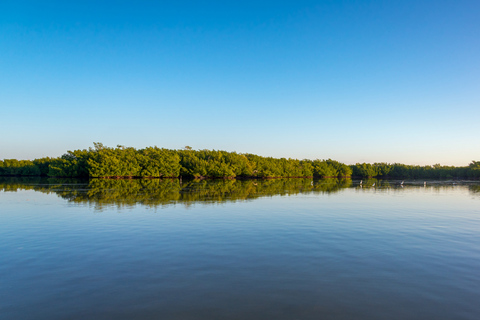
[276,249]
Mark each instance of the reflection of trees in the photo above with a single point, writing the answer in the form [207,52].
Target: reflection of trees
[474,189]
[150,192]
[154,192]
[158,192]
[42,184]
[331,185]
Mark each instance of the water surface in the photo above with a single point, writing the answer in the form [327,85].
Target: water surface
[274,249]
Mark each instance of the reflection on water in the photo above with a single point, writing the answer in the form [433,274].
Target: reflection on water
[160,192]
[303,249]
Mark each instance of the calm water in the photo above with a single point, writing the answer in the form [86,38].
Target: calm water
[276,249]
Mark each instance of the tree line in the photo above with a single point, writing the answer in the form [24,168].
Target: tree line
[153,162]
[403,171]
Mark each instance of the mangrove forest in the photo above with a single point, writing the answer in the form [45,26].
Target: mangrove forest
[154,162]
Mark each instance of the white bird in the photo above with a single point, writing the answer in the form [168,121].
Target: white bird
[361,181]
[311,183]
[373,185]
[424,183]
[401,183]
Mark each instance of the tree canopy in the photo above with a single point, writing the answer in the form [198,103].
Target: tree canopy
[154,162]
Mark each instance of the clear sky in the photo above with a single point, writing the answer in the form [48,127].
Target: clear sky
[355,81]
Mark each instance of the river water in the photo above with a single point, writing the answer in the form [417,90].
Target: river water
[272,249]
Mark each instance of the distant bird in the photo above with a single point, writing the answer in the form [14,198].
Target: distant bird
[361,181]
[373,185]
[311,183]
[424,183]
[401,183]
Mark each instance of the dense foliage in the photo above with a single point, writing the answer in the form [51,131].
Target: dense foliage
[153,162]
[402,171]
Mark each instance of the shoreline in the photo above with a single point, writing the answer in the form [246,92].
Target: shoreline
[237,178]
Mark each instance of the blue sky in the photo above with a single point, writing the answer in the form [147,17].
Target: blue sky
[355,81]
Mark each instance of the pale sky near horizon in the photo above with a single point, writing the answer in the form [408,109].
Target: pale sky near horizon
[354,81]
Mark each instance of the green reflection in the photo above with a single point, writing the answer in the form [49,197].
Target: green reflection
[154,192]
[159,192]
